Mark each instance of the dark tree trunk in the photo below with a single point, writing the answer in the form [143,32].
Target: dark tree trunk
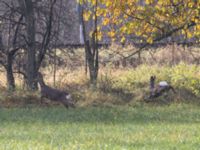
[92,63]
[9,73]
[91,50]
[47,36]
[31,58]
[31,71]
[54,68]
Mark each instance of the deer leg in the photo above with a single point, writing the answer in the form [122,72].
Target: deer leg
[65,103]
[171,88]
[41,100]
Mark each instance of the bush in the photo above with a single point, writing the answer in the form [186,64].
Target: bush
[181,76]
[187,76]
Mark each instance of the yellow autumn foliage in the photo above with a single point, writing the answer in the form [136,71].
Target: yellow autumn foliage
[149,18]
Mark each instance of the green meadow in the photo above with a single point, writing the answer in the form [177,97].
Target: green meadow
[175,126]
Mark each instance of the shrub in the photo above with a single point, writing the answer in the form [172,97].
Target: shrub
[181,76]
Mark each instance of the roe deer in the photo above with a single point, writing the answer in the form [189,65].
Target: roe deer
[54,94]
[162,87]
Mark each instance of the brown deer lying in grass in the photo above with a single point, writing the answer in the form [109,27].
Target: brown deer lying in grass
[54,94]
[158,90]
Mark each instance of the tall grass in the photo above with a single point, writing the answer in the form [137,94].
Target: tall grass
[121,86]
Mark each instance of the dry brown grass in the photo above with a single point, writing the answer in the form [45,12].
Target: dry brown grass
[123,86]
[174,54]
[2,80]
[115,87]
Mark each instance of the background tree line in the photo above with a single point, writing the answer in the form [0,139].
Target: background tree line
[28,30]
[31,29]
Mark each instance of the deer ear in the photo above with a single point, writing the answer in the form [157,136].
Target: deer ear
[152,77]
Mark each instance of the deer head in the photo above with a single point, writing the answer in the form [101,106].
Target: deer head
[152,82]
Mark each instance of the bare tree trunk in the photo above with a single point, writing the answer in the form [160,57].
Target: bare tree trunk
[9,73]
[54,68]
[31,64]
[139,58]
[47,36]
[96,49]
[92,64]
[86,64]
[9,70]
[28,11]
[91,50]
[57,38]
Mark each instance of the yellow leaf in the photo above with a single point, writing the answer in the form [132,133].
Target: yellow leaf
[87,15]
[189,34]
[111,33]
[106,21]
[99,36]
[150,40]
[123,39]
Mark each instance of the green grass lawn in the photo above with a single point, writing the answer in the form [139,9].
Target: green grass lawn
[142,127]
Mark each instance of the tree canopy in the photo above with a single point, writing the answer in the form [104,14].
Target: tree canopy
[149,20]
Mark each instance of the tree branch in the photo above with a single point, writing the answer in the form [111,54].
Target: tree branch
[161,37]
[47,36]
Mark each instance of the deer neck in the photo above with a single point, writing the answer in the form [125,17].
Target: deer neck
[41,82]
[152,84]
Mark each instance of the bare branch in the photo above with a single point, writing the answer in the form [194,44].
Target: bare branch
[161,37]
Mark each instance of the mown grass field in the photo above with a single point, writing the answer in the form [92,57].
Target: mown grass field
[94,128]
